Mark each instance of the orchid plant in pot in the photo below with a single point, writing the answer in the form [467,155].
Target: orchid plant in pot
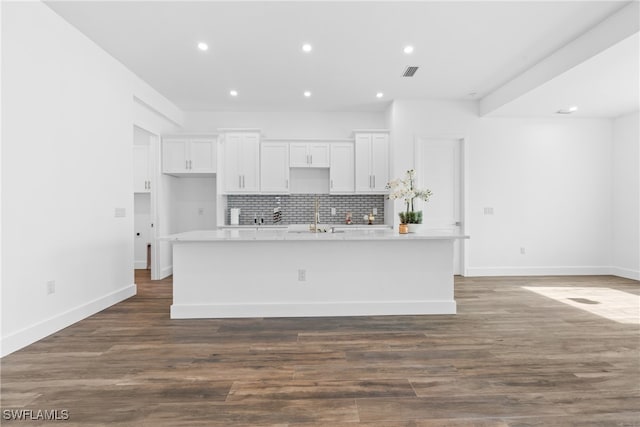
[406,190]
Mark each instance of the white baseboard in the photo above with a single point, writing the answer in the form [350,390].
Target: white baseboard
[140,265]
[31,334]
[166,272]
[193,311]
[537,271]
[627,273]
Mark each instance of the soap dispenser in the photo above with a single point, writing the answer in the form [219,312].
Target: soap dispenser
[348,218]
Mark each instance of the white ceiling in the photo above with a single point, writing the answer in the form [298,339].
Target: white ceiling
[605,85]
[255,48]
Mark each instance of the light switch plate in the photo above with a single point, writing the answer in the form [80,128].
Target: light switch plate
[120,212]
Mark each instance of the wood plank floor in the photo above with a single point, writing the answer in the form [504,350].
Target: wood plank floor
[510,357]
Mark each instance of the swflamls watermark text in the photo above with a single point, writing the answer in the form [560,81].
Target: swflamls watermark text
[35,414]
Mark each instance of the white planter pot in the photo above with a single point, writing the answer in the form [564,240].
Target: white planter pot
[414,228]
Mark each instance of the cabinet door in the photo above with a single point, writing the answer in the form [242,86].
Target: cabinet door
[319,155]
[274,167]
[364,180]
[232,157]
[298,155]
[379,162]
[250,163]
[174,156]
[341,173]
[141,180]
[202,156]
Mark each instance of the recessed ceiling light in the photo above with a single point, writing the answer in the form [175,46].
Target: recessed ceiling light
[203,46]
[307,47]
[567,110]
[379,95]
[233,92]
[307,93]
[408,49]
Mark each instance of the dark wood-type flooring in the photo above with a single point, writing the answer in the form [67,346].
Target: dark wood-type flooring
[510,357]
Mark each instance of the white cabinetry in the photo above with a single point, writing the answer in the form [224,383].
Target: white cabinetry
[274,167]
[141,169]
[242,162]
[341,172]
[372,162]
[185,156]
[309,155]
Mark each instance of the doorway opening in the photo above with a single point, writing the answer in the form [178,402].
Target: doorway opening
[144,199]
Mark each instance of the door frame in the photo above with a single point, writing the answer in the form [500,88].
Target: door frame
[154,173]
[463,201]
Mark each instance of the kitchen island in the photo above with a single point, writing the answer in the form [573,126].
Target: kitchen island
[288,273]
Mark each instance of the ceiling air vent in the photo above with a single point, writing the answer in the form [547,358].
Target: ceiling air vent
[410,71]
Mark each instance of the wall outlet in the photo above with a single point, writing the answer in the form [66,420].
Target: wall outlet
[51,287]
[522,251]
[333,211]
[488,211]
[120,212]
[374,211]
[302,275]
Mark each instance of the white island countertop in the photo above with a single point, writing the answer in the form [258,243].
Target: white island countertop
[271,234]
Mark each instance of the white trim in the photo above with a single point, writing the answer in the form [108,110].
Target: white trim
[364,308]
[372,131]
[627,273]
[182,135]
[140,265]
[166,272]
[29,335]
[305,139]
[225,130]
[538,271]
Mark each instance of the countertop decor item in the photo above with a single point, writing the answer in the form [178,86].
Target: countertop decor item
[405,189]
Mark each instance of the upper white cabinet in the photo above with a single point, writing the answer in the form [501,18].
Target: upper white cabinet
[372,162]
[141,169]
[184,156]
[341,172]
[309,155]
[242,162]
[274,167]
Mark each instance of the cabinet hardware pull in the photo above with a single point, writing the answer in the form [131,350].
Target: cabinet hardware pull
[239,181]
[374,181]
[287,183]
[243,181]
[186,164]
[311,162]
[331,183]
[190,164]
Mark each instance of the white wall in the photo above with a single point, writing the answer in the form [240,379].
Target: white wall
[288,124]
[66,166]
[626,196]
[193,204]
[548,181]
